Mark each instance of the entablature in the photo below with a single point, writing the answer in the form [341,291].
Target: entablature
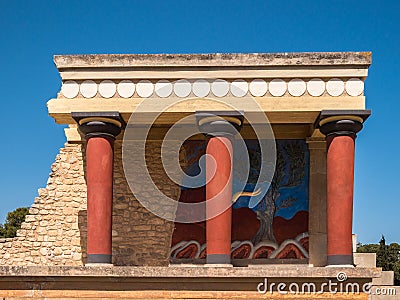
[291,88]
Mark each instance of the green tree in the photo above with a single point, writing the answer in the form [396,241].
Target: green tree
[367,248]
[387,256]
[13,222]
[383,255]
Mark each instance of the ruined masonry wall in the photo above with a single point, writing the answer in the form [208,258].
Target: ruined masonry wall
[50,234]
[54,232]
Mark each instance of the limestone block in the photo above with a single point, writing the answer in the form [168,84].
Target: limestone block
[387,278]
[364,260]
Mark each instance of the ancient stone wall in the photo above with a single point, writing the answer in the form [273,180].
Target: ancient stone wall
[54,232]
[140,237]
[50,234]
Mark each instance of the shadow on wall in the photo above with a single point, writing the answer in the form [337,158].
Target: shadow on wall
[82,224]
[122,256]
[82,215]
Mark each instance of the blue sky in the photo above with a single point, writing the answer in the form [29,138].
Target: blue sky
[31,32]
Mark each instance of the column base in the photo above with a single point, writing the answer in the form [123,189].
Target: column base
[340,260]
[99,259]
[219,259]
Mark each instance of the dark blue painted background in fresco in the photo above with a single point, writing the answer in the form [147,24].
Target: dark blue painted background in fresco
[299,193]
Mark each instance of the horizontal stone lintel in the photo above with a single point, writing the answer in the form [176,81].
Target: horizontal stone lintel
[267,73]
[278,110]
[270,271]
[213,59]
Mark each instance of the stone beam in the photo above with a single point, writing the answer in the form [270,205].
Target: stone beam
[213,59]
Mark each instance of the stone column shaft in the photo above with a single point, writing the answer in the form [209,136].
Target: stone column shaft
[100,130]
[220,128]
[219,188]
[99,178]
[340,183]
[340,129]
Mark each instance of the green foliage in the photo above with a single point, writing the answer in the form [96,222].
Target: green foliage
[13,222]
[367,248]
[387,256]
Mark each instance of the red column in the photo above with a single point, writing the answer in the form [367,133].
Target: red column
[100,130]
[340,182]
[99,178]
[219,189]
[340,128]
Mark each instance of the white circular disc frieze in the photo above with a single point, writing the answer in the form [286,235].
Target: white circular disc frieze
[316,87]
[182,88]
[126,88]
[163,88]
[144,88]
[297,87]
[201,88]
[277,87]
[70,89]
[88,88]
[107,88]
[220,88]
[335,87]
[239,88]
[258,87]
[354,87]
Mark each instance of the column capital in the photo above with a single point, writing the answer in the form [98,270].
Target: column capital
[220,123]
[99,124]
[342,122]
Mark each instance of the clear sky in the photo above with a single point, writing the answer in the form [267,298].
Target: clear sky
[31,32]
